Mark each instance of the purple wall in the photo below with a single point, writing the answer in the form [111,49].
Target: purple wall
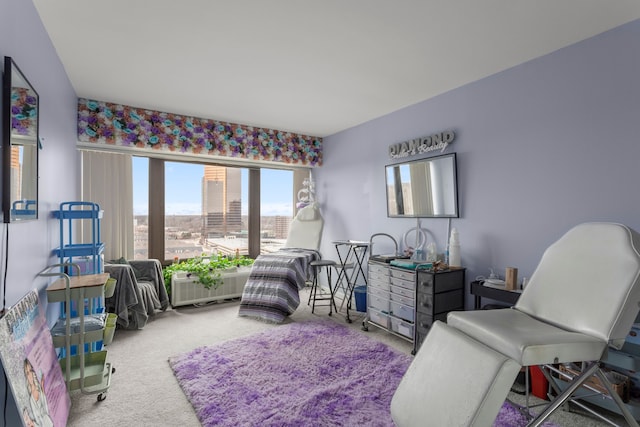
[23,37]
[541,147]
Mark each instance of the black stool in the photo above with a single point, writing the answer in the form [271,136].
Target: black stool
[313,296]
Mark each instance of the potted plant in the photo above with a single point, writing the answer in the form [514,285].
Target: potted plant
[207,271]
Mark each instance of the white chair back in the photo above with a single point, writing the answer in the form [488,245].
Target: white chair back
[588,282]
[305,231]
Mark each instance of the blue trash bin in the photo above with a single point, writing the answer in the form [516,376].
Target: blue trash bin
[361,298]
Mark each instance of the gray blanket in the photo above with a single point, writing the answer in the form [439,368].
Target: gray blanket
[271,291]
[139,293]
[150,272]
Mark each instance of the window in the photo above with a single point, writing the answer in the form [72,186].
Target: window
[206,209]
[203,210]
[276,208]
[140,207]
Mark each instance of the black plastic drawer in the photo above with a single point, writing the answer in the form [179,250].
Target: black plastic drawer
[440,303]
[440,282]
[423,326]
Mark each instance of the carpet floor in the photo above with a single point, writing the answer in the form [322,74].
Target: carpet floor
[144,391]
[306,374]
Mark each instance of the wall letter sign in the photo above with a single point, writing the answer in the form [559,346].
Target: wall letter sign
[437,141]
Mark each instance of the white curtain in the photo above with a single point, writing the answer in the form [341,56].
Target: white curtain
[421,189]
[107,180]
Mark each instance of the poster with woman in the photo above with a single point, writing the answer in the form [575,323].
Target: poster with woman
[31,365]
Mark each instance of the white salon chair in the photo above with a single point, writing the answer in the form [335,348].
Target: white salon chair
[582,298]
[271,291]
[305,230]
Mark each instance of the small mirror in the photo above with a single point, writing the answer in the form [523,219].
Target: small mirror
[424,188]
[20,113]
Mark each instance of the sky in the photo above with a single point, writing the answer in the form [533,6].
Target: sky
[183,183]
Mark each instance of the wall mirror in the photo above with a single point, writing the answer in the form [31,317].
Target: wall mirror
[20,114]
[425,188]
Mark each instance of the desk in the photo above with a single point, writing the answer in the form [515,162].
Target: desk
[355,253]
[479,290]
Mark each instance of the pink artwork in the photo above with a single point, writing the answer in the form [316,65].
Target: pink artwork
[31,365]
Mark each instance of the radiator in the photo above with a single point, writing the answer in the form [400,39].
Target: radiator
[185,290]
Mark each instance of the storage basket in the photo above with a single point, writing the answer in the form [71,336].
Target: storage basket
[402,311]
[378,302]
[401,327]
[379,318]
[110,287]
[109,328]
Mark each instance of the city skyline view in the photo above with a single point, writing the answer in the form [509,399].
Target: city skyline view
[206,209]
[183,183]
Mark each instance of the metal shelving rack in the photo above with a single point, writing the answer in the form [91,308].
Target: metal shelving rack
[87,371]
[80,289]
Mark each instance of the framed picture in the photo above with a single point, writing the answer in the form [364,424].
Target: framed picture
[31,365]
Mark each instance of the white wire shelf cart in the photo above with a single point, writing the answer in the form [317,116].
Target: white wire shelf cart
[87,370]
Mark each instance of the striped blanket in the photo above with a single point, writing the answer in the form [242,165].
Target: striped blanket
[271,291]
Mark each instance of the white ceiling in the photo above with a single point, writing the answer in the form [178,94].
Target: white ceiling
[313,67]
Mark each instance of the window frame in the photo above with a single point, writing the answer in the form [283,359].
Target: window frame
[156,211]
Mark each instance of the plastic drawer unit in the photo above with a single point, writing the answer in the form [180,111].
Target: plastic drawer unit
[391,299]
[437,293]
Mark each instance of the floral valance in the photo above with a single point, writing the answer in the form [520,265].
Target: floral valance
[113,124]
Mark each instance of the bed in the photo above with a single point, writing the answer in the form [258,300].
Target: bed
[271,292]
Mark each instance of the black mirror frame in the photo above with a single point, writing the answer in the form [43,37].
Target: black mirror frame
[453,191]
[9,66]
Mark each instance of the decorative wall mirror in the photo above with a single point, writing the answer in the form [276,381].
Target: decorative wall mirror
[20,115]
[426,188]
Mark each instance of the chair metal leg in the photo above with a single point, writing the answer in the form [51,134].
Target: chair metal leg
[594,413]
[332,291]
[550,380]
[557,390]
[563,397]
[313,296]
[313,284]
[314,290]
[616,398]
[328,273]
[526,386]
[342,282]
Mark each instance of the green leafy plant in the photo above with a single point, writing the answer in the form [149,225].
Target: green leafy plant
[207,273]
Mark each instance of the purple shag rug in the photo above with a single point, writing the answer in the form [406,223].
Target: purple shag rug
[316,373]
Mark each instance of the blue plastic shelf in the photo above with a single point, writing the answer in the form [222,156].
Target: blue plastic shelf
[79,249]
